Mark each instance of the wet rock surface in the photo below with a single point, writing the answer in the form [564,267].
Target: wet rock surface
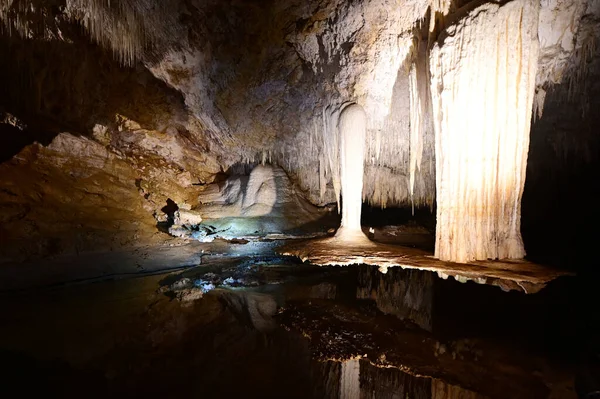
[518,275]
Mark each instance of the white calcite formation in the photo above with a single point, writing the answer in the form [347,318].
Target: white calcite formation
[187,217]
[261,193]
[266,191]
[482,82]
[263,202]
[183,90]
[352,130]
[359,50]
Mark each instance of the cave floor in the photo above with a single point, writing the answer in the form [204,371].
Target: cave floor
[265,325]
[518,275]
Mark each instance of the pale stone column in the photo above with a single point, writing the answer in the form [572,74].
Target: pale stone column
[352,129]
[482,86]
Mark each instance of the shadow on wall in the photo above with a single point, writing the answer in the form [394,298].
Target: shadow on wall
[170,210]
[53,86]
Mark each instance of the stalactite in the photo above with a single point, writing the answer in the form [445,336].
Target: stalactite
[331,146]
[127,27]
[483,83]
[395,154]
[538,103]
[312,157]
[322,178]
[577,76]
[26,19]
[385,186]
[421,128]
[387,150]
[438,9]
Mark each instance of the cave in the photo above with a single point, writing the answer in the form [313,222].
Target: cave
[300,198]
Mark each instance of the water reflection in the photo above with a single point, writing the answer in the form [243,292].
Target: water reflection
[358,379]
[271,327]
[407,294]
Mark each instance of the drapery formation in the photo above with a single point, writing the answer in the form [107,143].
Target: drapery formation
[482,85]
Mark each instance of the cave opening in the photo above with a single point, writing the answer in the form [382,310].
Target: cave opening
[321,198]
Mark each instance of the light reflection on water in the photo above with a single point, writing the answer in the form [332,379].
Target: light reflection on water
[272,327]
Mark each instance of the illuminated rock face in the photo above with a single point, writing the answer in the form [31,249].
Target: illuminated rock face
[483,82]
[267,191]
[213,84]
[352,130]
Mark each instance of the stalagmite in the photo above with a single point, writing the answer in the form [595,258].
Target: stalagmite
[352,132]
[483,82]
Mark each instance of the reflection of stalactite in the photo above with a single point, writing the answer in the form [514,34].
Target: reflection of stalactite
[361,379]
[326,379]
[443,390]
[483,81]
[350,380]
[390,383]
[407,294]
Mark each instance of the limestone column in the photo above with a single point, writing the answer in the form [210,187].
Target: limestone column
[352,130]
[483,71]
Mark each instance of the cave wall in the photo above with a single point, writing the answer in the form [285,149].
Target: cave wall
[564,154]
[92,148]
[559,216]
[71,196]
[182,90]
[53,86]
[173,95]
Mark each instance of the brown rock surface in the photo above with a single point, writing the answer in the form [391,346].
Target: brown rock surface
[180,92]
[76,195]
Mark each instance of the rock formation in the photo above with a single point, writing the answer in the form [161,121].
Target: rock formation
[112,108]
[352,130]
[482,108]
[265,202]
